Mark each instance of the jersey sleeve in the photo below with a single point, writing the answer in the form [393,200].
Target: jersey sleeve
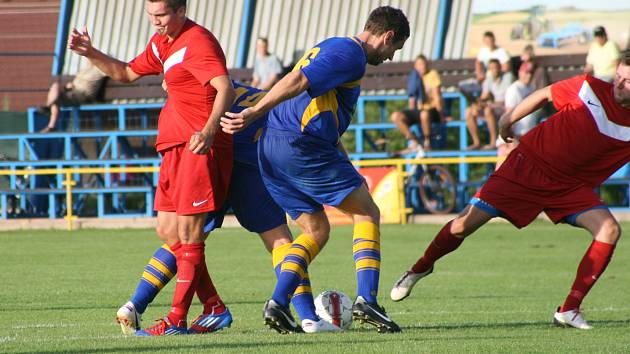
[205,59]
[147,63]
[565,92]
[331,68]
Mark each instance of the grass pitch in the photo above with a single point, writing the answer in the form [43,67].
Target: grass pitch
[497,293]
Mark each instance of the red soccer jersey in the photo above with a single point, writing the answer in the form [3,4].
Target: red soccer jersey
[188,62]
[588,139]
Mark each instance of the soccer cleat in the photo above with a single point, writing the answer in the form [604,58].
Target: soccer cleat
[279,318]
[211,323]
[310,326]
[163,327]
[571,318]
[128,318]
[407,281]
[373,314]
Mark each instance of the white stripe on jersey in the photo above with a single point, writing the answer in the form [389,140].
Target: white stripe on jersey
[604,125]
[174,59]
[156,52]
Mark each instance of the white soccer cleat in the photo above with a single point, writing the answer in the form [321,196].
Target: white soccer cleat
[310,326]
[128,318]
[571,318]
[407,281]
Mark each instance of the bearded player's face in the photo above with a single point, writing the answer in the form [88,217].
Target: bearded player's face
[622,85]
[166,20]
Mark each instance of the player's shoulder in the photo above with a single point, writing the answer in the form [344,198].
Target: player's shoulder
[341,45]
[197,33]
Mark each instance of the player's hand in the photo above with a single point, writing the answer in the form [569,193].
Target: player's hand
[164,86]
[233,123]
[505,128]
[200,143]
[80,43]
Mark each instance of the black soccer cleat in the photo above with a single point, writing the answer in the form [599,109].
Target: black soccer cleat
[279,318]
[373,314]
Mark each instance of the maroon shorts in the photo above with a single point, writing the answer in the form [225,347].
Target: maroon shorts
[191,183]
[520,190]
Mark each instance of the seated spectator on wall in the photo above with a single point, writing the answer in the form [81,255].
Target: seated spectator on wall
[603,56]
[267,67]
[514,95]
[471,88]
[489,106]
[84,88]
[424,87]
[540,78]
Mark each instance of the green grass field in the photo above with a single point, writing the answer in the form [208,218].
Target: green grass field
[496,294]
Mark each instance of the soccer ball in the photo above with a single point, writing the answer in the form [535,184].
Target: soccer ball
[334,307]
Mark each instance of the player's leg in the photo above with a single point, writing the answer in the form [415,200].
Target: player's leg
[448,239]
[606,232]
[294,268]
[161,268]
[367,258]
[279,241]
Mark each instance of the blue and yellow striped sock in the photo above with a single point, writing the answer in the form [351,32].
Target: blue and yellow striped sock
[302,299]
[366,249]
[294,267]
[161,268]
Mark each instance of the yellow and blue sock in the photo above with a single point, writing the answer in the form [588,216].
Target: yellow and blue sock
[294,267]
[302,298]
[160,270]
[366,250]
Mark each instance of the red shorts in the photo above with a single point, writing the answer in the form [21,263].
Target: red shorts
[191,183]
[520,190]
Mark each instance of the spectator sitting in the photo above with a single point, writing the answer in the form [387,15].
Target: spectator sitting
[540,79]
[490,51]
[490,104]
[471,88]
[84,88]
[267,67]
[424,87]
[603,56]
[514,95]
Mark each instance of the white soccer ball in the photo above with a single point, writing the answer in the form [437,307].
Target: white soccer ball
[334,307]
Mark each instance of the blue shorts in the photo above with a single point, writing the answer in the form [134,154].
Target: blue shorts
[253,207]
[302,173]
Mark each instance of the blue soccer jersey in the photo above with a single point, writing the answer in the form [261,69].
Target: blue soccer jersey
[334,69]
[245,141]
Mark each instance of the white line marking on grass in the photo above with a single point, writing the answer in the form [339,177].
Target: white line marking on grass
[443,312]
[47,325]
[6,339]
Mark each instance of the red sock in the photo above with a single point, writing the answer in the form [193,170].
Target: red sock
[189,260]
[442,244]
[591,267]
[207,293]
[176,247]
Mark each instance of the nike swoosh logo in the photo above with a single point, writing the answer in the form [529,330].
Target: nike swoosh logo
[196,204]
[591,103]
[381,316]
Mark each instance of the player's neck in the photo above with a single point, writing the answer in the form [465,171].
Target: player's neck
[177,31]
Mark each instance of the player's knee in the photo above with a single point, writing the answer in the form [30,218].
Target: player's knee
[611,231]
[459,227]
[165,233]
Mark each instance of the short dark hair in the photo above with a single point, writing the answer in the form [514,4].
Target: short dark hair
[263,39]
[488,34]
[387,18]
[173,4]
[494,61]
[625,57]
[422,57]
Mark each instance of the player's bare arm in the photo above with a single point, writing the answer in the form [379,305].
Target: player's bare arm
[81,44]
[200,142]
[530,104]
[290,86]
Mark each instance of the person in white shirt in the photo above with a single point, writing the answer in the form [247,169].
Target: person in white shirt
[514,95]
[489,51]
[267,67]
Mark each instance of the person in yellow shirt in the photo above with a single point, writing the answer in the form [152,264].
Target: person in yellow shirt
[603,56]
[425,103]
